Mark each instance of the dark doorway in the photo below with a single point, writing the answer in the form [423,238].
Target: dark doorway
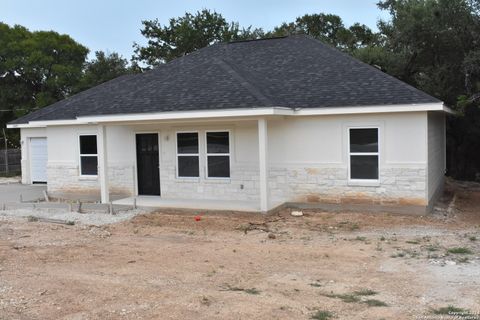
[148,164]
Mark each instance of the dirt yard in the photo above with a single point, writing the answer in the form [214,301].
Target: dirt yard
[167,265]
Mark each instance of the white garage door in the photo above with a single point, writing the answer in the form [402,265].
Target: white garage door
[38,159]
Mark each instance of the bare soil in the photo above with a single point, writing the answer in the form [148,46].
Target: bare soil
[168,265]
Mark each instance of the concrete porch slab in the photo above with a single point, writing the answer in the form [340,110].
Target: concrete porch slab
[191,204]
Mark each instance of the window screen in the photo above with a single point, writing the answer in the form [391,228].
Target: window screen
[88,155]
[187,155]
[364,154]
[218,154]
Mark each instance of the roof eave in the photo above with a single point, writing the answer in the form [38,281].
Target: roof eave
[235,113]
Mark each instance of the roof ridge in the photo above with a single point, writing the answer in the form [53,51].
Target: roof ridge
[257,39]
[244,82]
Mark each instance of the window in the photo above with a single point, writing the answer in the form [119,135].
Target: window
[88,155]
[218,154]
[364,154]
[187,155]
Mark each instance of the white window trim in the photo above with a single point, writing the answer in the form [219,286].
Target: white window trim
[80,156]
[229,155]
[186,155]
[363,182]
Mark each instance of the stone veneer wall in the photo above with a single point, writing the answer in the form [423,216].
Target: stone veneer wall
[64,179]
[121,180]
[242,185]
[330,185]
[406,185]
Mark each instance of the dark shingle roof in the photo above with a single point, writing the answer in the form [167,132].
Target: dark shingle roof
[292,72]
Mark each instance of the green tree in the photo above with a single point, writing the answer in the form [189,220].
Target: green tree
[36,69]
[434,45]
[330,29]
[186,34]
[101,69]
[434,37]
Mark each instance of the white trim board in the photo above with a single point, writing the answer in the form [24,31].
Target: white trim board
[233,113]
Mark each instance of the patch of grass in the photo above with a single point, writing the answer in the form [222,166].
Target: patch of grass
[365,292]
[322,315]
[460,250]
[405,253]
[10,174]
[70,223]
[472,238]
[254,291]
[449,310]
[375,303]
[315,284]
[211,273]
[32,219]
[398,255]
[432,248]
[382,238]
[412,241]
[205,301]
[348,298]
[354,226]
[359,238]
[355,297]
[463,260]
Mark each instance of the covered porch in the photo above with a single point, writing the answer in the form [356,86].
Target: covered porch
[244,189]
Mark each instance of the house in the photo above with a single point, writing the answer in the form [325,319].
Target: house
[247,125]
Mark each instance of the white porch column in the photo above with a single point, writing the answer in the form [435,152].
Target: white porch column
[102,163]
[263,161]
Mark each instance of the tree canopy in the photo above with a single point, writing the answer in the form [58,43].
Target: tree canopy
[330,29]
[435,46]
[103,68]
[186,34]
[41,67]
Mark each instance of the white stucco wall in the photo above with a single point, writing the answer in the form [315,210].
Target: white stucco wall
[436,154]
[308,159]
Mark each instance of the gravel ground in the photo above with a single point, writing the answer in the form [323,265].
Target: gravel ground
[173,265]
[92,218]
[170,265]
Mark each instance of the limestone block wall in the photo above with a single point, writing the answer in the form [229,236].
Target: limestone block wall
[405,185]
[64,179]
[242,185]
[121,180]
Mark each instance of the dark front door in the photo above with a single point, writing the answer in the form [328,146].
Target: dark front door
[148,164]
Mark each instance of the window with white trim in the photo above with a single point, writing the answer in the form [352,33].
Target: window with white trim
[363,153]
[88,155]
[188,165]
[218,154]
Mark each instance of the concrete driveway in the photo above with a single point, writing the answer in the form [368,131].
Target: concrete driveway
[11,192]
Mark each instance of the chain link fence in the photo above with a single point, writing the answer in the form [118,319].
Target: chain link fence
[10,162]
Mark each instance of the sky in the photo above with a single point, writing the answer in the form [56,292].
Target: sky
[113,25]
